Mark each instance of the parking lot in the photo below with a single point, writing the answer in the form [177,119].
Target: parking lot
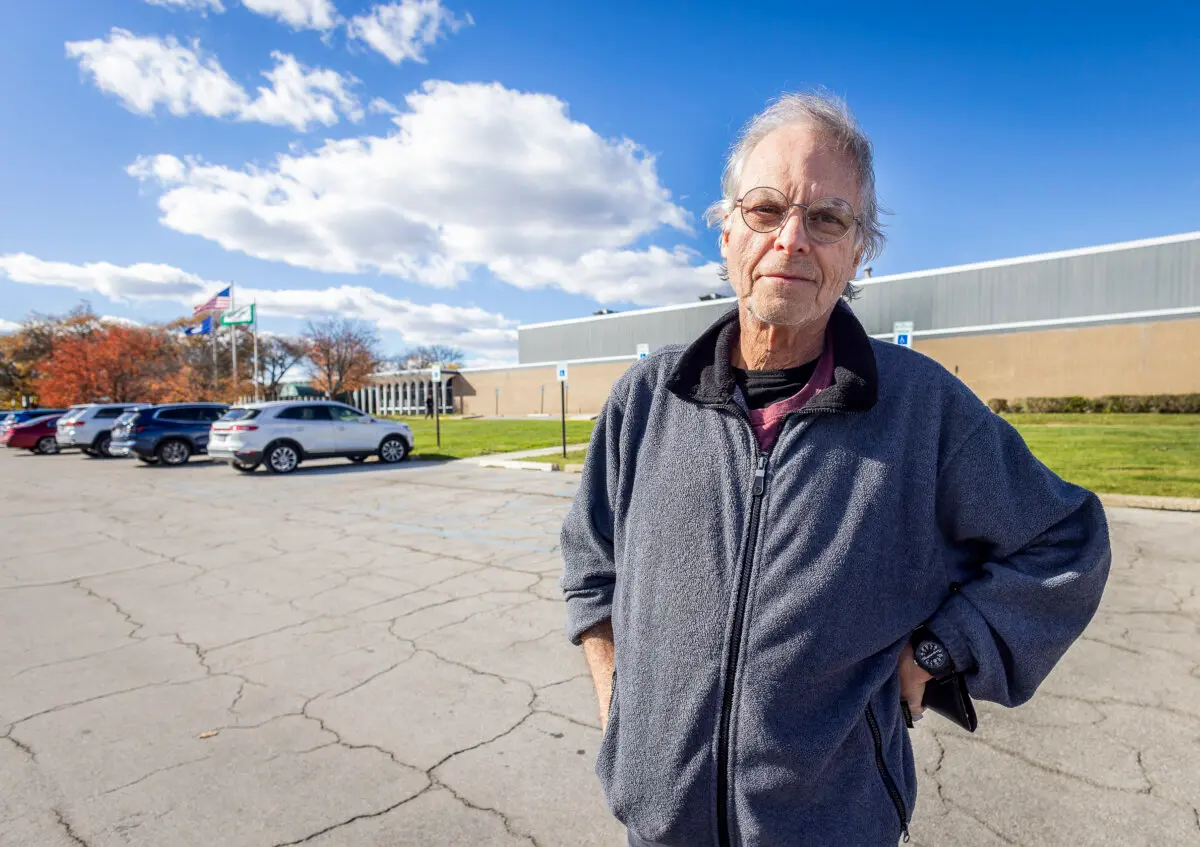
[373,655]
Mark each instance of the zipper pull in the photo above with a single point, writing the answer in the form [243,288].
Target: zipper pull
[760,475]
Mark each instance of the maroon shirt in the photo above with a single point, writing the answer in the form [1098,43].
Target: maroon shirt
[766,422]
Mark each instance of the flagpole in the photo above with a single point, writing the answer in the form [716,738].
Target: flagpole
[212,334]
[257,375]
[233,342]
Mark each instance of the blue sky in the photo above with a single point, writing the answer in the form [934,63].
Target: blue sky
[540,160]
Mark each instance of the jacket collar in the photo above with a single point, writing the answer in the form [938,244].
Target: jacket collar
[704,373]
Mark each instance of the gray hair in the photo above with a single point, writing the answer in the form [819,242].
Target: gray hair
[830,116]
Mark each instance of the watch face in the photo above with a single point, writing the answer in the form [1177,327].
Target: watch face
[931,656]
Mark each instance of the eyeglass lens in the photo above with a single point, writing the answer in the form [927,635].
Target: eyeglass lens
[827,220]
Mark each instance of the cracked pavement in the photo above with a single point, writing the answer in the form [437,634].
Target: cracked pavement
[369,655]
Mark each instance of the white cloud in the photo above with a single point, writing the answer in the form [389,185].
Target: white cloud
[649,277]
[115,320]
[298,96]
[147,72]
[201,6]
[8,326]
[474,176]
[463,326]
[402,30]
[298,14]
[481,332]
[142,281]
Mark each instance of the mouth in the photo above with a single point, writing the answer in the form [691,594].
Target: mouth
[787,278]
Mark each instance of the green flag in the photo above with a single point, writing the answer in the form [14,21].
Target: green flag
[234,317]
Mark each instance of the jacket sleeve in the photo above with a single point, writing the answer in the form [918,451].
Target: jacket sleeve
[589,567]
[1042,558]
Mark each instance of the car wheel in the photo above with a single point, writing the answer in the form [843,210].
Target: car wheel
[282,458]
[88,451]
[358,460]
[101,446]
[173,452]
[148,460]
[393,449]
[47,446]
[244,468]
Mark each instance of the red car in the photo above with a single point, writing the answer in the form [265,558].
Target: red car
[36,436]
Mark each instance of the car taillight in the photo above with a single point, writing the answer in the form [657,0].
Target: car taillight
[245,427]
[139,429]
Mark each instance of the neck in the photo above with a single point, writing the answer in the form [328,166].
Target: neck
[767,347]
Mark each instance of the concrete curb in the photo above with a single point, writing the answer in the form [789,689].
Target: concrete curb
[1143,501]
[513,465]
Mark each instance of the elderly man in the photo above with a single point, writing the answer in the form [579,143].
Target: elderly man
[772,517]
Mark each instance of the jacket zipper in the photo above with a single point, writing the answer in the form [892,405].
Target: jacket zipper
[739,614]
[892,791]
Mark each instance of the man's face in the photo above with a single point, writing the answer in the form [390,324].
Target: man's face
[784,277]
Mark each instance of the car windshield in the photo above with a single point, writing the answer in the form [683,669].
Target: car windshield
[11,417]
[127,417]
[240,414]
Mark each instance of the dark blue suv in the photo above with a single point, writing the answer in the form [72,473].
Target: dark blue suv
[170,433]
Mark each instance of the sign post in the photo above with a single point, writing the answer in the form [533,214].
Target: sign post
[902,333]
[562,384]
[436,378]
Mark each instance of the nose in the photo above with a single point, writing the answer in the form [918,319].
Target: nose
[792,237]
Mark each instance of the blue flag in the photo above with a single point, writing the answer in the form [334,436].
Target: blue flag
[202,328]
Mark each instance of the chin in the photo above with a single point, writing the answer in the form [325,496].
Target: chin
[783,311]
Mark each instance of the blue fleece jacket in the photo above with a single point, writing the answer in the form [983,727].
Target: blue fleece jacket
[760,602]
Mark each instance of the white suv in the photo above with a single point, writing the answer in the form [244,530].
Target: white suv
[89,426]
[282,434]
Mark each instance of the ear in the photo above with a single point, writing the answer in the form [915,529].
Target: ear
[723,238]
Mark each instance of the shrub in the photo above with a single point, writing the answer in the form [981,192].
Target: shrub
[1167,404]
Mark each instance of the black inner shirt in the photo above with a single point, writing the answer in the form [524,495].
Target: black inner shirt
[762,388]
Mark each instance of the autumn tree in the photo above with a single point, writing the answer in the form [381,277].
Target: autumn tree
[344,353]
[427,355]
[23,353]
[277,354]
[111,363]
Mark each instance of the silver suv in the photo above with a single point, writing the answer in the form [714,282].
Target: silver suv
[89,426]
[282,434]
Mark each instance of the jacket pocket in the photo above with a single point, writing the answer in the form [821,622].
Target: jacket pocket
[885,775]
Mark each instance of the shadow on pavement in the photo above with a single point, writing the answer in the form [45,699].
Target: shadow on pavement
[336,467]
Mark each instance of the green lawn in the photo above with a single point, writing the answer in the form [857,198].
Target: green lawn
[1151,454]
[462,439]
[1157,455]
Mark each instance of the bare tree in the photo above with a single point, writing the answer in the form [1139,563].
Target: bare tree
[343,352]
[426,355]
[277,354]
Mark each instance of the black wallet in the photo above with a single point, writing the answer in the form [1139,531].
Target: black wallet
[950,699]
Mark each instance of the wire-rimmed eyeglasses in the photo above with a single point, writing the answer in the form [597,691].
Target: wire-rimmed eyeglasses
[826,221]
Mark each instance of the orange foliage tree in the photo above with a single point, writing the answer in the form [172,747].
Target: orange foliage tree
[110,363]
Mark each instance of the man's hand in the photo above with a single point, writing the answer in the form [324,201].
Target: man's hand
[912,681]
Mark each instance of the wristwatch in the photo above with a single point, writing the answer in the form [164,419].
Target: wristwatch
[931,655]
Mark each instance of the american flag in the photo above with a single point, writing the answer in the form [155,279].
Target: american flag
[219,303]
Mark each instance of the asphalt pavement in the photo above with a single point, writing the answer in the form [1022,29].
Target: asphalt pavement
[370,655]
